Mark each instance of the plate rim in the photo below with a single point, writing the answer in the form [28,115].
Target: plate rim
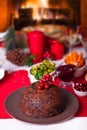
[42,121]
[2,73]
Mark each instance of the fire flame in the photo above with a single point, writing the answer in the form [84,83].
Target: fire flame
[40,9]
[36,5]
[44,3]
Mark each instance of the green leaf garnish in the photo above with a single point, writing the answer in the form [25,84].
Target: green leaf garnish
[29,60]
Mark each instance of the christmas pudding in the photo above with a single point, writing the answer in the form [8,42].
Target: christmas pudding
[42,99]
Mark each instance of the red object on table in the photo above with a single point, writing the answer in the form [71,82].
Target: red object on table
[48,41]
[1,44]
[57,49]
[36,42]
[10,83]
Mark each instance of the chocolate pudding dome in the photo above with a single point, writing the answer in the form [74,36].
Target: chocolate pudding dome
[42,99]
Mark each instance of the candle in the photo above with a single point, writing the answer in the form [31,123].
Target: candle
[57,49]
[36,42]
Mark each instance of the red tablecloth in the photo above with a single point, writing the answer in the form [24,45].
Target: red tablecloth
[8,84]
[17,79]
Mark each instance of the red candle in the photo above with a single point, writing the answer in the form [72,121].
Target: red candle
[36,42]
[57,49]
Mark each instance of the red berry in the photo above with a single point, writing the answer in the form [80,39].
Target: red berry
[40,60]
[45,82]
[39,87]
[47,75]
[43,79]
[46,86]
[41,84]
[50,78]
[81,87]
[49,82]
[46,79]
[35,60]
[47,54]
[40,81]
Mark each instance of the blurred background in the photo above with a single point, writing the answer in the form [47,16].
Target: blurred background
[22,13]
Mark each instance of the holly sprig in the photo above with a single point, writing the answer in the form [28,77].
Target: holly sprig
[33,59]
[29,61]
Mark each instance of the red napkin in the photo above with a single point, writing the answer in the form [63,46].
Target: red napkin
[8,84]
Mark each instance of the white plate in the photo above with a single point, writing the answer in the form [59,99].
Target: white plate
[2,73]
[2,61]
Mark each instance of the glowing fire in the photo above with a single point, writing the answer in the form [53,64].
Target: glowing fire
[36,5]
[41,9]
[44,3]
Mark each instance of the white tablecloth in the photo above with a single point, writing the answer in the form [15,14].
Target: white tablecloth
[77,123]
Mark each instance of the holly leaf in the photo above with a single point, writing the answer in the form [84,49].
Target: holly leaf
[29,60]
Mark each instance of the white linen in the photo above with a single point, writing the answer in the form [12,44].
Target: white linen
[77,123]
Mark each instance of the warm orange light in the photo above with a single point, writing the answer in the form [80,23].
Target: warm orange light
[36,5]
[44,3]
[23,7]
[36,14]
[16,15]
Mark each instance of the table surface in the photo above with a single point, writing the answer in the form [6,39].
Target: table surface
[76,123]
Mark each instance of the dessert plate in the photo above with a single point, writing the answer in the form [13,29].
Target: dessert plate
[12,107]
[2,71]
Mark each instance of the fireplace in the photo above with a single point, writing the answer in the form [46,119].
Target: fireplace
[22,13]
